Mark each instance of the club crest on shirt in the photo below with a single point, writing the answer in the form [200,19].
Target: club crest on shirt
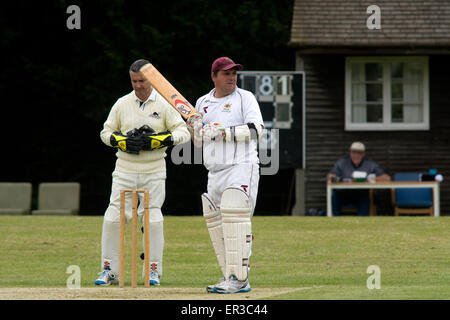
[155,115]
[227,107]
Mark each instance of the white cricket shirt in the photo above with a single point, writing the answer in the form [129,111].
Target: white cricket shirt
[236,109]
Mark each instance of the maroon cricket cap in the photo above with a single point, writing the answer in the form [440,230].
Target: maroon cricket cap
[225,63]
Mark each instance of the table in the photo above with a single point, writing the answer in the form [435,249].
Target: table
[386,185]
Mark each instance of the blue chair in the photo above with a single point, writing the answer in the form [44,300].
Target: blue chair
[412,201]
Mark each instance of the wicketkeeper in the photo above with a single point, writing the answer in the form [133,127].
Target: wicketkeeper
[229,123]
[141,125]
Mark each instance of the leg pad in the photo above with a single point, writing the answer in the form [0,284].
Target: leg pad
[214,223]
[236,212]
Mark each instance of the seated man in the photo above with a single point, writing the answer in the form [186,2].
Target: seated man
[343,171]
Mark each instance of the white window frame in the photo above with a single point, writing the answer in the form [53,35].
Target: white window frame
[387,124]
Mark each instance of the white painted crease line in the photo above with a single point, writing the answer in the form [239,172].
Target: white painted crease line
[278,293]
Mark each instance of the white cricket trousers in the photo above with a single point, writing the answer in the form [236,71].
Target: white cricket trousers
[244,176]
[155,184]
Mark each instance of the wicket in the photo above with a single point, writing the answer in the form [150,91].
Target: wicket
[134,220]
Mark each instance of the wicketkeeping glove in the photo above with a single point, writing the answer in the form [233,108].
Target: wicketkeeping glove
[126,143]
[145,129]
[154,141]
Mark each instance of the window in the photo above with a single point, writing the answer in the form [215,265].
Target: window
[386,93]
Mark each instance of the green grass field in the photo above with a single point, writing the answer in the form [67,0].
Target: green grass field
[293,258]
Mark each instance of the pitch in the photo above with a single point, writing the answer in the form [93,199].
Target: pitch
[292,258]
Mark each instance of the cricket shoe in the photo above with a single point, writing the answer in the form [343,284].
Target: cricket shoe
[212,288]
[154,279]
[154,274]
[107,277]
[233,285]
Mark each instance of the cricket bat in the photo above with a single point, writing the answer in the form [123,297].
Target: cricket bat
[164,88]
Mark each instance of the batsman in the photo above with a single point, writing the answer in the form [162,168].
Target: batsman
[228,124]
[141,125]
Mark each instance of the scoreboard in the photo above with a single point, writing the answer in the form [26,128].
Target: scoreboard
[281,97]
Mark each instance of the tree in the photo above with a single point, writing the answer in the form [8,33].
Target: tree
[58,84]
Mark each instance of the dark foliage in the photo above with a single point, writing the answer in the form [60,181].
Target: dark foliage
[58,85]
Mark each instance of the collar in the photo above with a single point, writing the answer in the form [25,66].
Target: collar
[151,97]
[212,97]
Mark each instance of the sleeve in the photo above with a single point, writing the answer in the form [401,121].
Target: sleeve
[176,125]
[251,110]
[111,124]
[377,169]
[199,102]
[337,169]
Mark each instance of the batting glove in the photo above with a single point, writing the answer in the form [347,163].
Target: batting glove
[212,131]
[195,124]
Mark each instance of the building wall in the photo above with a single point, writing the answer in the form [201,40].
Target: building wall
[395,151]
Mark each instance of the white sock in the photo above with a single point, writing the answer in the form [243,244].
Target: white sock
[156,245]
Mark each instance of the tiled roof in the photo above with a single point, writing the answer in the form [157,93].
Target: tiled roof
[344,23]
